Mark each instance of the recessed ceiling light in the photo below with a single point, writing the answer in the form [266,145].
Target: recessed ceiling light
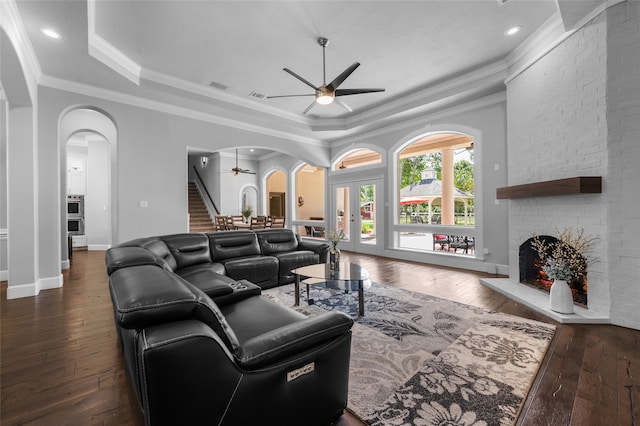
[512,30]
[50,33]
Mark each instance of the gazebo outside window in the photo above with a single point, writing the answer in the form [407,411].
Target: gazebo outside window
[436,194]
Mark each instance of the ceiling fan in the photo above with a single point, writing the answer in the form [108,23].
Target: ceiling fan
[327,93]
[237,170]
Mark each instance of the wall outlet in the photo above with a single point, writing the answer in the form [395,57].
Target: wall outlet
[144,204]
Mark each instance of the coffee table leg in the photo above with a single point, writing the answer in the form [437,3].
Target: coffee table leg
[361,298]
[297,295]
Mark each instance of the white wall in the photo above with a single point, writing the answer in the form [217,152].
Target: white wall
[152,159]
[574,112]
[623,118]
[557,129]
[97,199]
[4,267]
[485,117]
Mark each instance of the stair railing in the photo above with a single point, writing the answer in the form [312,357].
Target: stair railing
[206,190]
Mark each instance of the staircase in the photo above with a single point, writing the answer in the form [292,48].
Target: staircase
[199,219]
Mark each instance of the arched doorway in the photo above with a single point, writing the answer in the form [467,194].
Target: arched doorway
[88,140]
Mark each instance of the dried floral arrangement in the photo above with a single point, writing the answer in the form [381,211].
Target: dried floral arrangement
[567,257]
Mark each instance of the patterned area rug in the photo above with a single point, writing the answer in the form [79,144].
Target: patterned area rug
[422,360]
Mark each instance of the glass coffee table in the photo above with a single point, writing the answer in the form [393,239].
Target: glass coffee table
[350,277]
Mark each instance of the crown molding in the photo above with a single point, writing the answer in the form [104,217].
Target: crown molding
[420,101]
[109,95]
[189,89]
[448,97]
[420,120]
[401,105]
[546,38]
[106,53]
[12,24]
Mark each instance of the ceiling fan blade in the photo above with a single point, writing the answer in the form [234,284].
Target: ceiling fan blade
[343,105]
[289,96]
[300,78]
[345,92]
[342,77]
[309,108]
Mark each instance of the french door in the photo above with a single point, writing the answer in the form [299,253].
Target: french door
[357,209]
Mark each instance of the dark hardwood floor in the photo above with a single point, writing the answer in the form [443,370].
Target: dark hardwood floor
[60,363]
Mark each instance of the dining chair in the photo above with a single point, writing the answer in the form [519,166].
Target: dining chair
[277,221]
[258,222]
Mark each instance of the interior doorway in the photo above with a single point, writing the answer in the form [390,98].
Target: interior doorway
[88,149]
[277,204]
[89,191]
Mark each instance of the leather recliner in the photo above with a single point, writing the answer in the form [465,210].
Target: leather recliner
[247,361]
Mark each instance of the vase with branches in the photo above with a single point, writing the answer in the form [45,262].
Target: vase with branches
[564,261]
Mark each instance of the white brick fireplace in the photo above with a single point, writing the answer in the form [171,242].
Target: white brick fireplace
[575,111]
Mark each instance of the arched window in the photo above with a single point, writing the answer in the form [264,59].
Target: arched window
[436,193]
[358,158]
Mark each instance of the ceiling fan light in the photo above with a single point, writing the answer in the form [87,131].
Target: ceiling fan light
[324,98]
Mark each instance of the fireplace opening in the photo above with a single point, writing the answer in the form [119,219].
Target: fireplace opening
[531,272]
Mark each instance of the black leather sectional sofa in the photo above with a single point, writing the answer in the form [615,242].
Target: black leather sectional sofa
[201,345]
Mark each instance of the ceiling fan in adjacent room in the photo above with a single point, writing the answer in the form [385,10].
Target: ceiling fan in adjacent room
[237,170]
[327,93]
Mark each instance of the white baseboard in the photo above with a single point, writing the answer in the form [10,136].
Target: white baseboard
[4,275]
[65,264]
[51,282]
[98,247]
[502,269]
[33,289]
[22,290]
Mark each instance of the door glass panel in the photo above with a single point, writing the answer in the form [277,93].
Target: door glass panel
[343,211]
[368,214]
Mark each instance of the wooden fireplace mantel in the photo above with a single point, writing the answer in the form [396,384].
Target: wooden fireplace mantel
[574,185]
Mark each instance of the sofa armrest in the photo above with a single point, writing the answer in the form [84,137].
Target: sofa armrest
[291,339]
[320,247]
[124,257]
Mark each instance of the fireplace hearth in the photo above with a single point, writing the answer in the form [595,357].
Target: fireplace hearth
[532,273]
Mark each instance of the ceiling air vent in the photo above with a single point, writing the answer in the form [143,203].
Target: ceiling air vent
[255,94]
[218,86]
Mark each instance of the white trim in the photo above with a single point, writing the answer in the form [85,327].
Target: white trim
[33,289]
[546,38]
[422,98]
[108,54]
[65,264]
[594,13]
[51,282]
[452,261]
[11,22]
[22,290]
[110,95]
[98,247]
[419,121]
[211,93]
[4,275]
